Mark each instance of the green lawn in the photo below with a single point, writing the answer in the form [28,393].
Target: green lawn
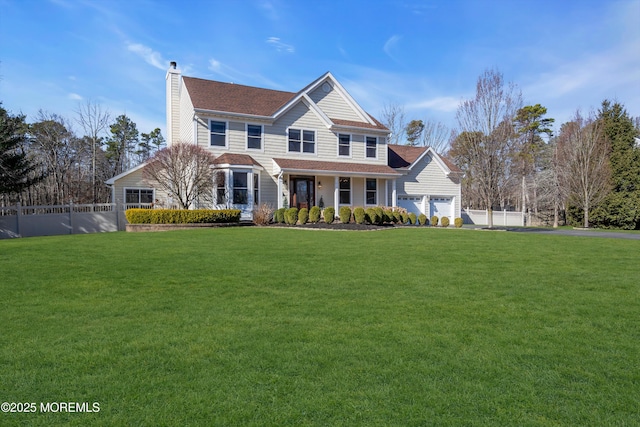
[254,326]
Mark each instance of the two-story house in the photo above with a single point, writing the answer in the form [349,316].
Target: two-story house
[314,147]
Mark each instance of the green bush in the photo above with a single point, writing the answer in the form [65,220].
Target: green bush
[434,220]
[458,222]
[387,216]
[359,215]
[444,221]
[404,217]
[345,214]
[291,216]
[380,214]
[371,216]
[182,216]
[303,215]
[314,214]
[278,216]
[413,219]
[422,219]
[397,217]
[329,215]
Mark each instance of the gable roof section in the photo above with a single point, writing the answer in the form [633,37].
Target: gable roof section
[406,157]
[234,99]
[315,166]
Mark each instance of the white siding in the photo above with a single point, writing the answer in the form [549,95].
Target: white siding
[427,178]
[333,104]
[136,180]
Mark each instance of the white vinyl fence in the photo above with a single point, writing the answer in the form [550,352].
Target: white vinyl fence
[29,221]
[500,218]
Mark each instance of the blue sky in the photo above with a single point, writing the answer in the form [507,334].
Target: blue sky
[423,55]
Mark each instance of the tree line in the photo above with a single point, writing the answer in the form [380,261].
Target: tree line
[587,173]
[56,160]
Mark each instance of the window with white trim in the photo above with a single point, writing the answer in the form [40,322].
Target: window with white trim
[221,188]
[256,188]
[372,147]
[345,191]
[344,145]
[138,195]
[254,137]
[218,133]
[302,141]
[372,191]
[240,188]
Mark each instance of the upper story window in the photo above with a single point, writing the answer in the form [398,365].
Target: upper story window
[372,147]
[344,145]
[218,133]
[254,137]
[302,141]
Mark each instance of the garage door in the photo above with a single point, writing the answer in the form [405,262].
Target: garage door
[411,204]
[440,206]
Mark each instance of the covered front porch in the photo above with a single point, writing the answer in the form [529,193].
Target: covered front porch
[308,183]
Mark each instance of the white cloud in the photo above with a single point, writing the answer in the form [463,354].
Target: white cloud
[279,46]
[441,103]
[149,55]
[390,45]
[75,97]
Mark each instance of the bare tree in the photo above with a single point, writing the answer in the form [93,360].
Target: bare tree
[184,171]
[94,121]
[583,162]
[435,135]
[393,118]
[486,135]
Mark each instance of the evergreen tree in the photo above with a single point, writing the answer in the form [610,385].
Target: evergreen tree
[121,144]
[621,208]
[17,171]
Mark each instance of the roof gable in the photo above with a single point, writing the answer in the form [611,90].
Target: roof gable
[234,99]
[406,157]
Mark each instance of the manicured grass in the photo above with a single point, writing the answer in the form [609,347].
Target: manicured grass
[255,326]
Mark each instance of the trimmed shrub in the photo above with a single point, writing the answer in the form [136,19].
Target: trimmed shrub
[387,216]
[278,216]
[380,214]
[262,214]
[397,217]
[303,215]
[422,219]
[182,216]
[314,214]
[413,219]
[329,215]
[372,216]
[434,221]
[458,222]
[291,216]
[345,214]
[359,215]
[404,217]
[444,221]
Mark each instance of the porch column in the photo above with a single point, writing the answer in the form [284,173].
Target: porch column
[280,205]
[250,190]
[394,194]
[386,192]
[336,193]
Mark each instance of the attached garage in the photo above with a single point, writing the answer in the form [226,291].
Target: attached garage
[441,207]
[412,204]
